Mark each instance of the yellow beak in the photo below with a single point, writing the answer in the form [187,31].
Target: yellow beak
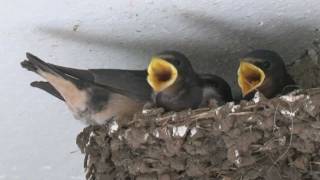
[161,74]
[250,77]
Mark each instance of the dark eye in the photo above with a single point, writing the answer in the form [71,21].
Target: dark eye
[265,64]
[178,62]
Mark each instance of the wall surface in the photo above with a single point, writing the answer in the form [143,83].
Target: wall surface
[37,133]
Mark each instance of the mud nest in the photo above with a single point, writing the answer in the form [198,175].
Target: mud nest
[260,139]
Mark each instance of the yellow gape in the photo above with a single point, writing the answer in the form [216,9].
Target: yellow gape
[161,74]
[250,77]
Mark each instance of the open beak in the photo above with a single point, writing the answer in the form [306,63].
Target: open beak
[250,77]
[161,74]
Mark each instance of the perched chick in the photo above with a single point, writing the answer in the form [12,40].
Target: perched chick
[177,86]
[264,71]
[96,95]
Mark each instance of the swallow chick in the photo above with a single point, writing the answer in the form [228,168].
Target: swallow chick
[264,71]
[215,90]
[176,86]
[95,95]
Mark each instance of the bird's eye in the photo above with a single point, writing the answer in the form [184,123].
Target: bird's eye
[265,64]
[178,62]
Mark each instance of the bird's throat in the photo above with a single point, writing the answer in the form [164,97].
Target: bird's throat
[250,77]
[161,74]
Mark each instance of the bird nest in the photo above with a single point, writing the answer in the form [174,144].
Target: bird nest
[273,139]
[270,139]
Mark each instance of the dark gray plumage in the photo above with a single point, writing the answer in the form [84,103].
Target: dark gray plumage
[189,90]
[95,95]
[277,80]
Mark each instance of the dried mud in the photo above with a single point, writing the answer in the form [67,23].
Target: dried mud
[266,139]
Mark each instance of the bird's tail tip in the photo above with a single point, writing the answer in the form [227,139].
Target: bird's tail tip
[36,83]
[34,59]
[28,65]
[35,64]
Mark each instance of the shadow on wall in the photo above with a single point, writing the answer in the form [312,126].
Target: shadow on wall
[215,45]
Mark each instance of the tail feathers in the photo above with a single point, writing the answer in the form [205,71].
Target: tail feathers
[59,84]
[40,65]
[29,66]
[48,88]
[35,64]
[78,73]
[60,74]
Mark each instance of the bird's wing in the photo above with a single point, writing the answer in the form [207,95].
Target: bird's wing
[131,83]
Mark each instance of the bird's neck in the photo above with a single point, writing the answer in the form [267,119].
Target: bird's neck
[173,89]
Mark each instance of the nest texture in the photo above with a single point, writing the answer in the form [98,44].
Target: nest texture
[261,139]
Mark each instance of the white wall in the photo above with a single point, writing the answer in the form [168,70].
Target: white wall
[37,133]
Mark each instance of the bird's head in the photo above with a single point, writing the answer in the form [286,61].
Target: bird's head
[166,69]
[257,69]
